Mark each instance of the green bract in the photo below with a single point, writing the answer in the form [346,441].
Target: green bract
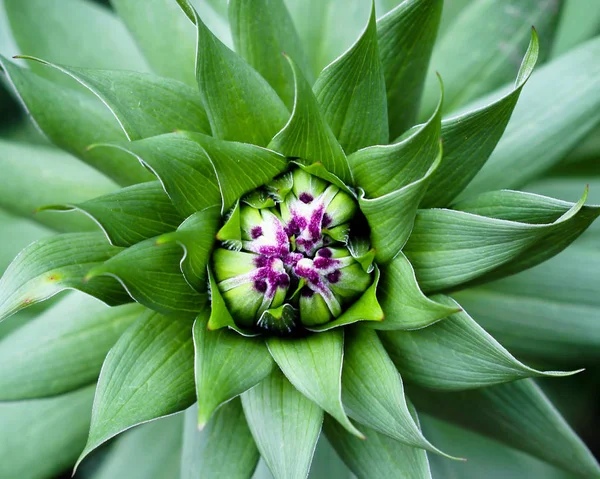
[291,245]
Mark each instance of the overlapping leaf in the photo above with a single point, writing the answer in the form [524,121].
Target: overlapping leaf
[405,305]
[62,349]
[223,449]
[307,135]
[53,264]
[151,274]
[262,30]
[285,425]
[227,364]
[406,36]
[448,248]
[129,215]
[571,85]
[148,374]
[41,438]
[351,94]
[158,25]
[314,366]
[377,456]
[144,105]
[372,390]
[470,138]
[455,354]
[73,121]
[517,414]
[240,104]
[33,176]
[182,167]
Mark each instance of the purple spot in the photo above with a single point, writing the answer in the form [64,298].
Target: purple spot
[306,197]
[283,280]
[260,261]
[260,286]
[334,277]
[324,253]
[307,292]
[324,263]
[327,220]
[256,232]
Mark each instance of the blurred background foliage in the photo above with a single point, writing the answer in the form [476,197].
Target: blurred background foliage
[516,299]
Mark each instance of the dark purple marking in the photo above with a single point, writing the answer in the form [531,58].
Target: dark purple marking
[324,253]
[327,220]
[324,263]
[261,261]
[306,197]
[283,280]
[256,232]
[334,276]
[260,285]
[307,292]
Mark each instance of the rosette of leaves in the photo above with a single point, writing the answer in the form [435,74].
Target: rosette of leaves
[210,126]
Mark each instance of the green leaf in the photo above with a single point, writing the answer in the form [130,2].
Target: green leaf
[579,22]
[21,232]
[227,364]
[475,57]
[144,104]
[262,30]
[129,215]
[240,104]
[152,276]
[470,137]
[391,217]
[449,248]
[372,390]
[182,167]
[313,364]
[455,354]
[62,349]
[148,374]
[68,32]
[406,36]
[383,169]
[351,93]
[404,304]
[517,414]
[319,24]
[223,449]
[240,167]
[285,426]
[196,236]
[486,458]
[53,264]
[159,25]
[571,84]
[550,311]
[35,175]
[517,206]
[378,456]
[42,438]
[73,121]
[307,135]
[149,451]
[365,309]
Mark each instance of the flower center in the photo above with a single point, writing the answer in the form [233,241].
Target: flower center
[292,254]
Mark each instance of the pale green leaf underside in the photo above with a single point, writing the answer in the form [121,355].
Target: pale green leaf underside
[148,374]
[455,354]
[62,349]
[517,414]
[285,425]
[224,448]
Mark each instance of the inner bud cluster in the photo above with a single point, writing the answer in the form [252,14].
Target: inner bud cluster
[292,263]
